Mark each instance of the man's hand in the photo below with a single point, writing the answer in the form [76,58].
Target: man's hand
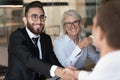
[70,73]
[59,71]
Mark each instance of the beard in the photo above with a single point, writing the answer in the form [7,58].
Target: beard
[33,30]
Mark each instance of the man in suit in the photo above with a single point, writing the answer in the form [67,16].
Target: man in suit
[30,53]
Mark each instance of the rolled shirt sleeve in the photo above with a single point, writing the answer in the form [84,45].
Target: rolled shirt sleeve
[74,56]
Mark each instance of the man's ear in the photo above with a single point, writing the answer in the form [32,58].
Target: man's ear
[24,20]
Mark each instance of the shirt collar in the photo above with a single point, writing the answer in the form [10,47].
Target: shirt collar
[67,38]
[31,35]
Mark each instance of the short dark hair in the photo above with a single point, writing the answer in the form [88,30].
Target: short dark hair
[108,18]
[33,5]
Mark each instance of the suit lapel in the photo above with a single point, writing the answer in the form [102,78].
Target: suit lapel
[43,47]
[32,47]
[27,37]
[30,43]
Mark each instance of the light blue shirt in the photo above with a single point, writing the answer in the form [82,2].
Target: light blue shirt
[66,51]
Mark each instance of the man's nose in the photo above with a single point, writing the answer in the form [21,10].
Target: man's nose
[39,20]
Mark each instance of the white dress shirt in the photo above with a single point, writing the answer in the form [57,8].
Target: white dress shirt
[107,68]
[66,51]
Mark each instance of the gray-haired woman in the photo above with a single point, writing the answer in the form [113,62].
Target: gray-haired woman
[70,48]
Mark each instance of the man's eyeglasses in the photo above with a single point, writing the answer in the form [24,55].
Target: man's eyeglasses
[35,17]
[69,24]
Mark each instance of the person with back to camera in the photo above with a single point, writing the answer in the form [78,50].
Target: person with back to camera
[71,49]
[30,51]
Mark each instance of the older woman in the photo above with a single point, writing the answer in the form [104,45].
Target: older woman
[71,49]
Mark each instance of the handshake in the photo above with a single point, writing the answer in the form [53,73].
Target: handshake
[68,73]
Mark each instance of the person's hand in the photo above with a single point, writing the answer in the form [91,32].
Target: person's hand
[64,73]
[71,67]
[85,42]
[69,73]
[58,71]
